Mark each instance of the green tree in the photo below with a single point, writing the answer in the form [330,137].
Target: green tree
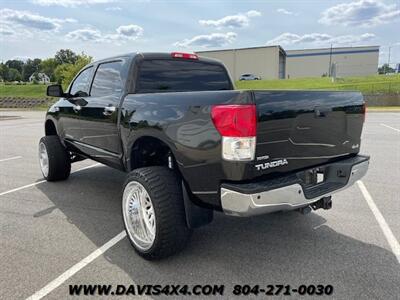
[4,72]
[66,56]
[48,67]
[385,68]
[59,72]
[15,64]
[14,75]
[66,72]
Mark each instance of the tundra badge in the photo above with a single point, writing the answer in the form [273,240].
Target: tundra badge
[272,164]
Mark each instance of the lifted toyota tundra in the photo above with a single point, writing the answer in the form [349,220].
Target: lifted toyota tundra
[191,144]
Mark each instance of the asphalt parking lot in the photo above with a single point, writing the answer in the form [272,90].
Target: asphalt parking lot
[47,229]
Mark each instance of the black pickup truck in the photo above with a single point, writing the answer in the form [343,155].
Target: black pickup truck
[192,144]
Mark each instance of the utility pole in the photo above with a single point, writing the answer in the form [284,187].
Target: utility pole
[387,69]
[330,63]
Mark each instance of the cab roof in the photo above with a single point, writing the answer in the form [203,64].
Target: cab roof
[156,55]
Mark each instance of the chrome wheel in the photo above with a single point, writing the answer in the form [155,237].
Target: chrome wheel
[43,159]
[139,216]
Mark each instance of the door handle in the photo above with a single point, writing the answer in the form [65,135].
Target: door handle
[76,108]
[108,110]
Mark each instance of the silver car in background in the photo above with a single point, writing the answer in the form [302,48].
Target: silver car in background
[249,77]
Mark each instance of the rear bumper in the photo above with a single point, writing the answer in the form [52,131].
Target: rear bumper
[293,191]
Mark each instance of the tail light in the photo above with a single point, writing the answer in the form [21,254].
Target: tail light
[237,125]
[184,55]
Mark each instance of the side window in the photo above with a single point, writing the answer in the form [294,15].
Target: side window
[80,86]
[108,81]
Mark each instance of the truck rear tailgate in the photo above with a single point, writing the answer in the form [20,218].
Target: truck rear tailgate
[299,129]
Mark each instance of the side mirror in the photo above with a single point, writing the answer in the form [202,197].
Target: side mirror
[55,90]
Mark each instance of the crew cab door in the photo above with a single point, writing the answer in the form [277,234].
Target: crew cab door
[70,108]
[99,116]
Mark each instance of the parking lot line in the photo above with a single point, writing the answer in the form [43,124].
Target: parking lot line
[393,242]
[22,187]
[41,181]
[10,158]
[21,125]
[76,268]
[398,130]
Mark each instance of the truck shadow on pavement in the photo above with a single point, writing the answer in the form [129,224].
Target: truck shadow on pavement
[280,248]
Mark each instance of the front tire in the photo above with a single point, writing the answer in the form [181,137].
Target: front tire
[54,159]
[153,212]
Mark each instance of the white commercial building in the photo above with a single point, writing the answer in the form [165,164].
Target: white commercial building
[342,62]
[272,62]
[266,62]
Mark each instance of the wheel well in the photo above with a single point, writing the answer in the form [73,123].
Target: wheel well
[50,128]
[150,151]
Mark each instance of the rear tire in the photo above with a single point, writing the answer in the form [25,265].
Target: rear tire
[54,159]
[153,212]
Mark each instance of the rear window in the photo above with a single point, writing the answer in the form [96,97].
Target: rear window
[159,75]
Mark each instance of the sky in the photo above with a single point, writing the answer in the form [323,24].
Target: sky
[102,28]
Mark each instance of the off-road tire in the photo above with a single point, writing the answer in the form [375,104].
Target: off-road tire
[59,163]
[164,189]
